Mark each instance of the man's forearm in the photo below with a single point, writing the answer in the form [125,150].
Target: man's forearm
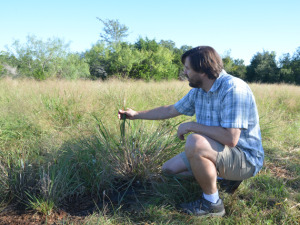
[160,113]
[225,136]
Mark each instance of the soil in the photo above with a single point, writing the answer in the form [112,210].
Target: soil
[30,217]
[74,211]
[76,215]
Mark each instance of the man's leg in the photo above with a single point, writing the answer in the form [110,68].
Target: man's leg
[176,166]
[202,152]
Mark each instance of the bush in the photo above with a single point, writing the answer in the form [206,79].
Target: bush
[73,67]
[156,65]
[2,71]
[97,71]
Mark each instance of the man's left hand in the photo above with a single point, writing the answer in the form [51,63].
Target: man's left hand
[183,129]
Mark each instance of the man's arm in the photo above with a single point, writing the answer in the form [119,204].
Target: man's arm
[160,113]
[225,136]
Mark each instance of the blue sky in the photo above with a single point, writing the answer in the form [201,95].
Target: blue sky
[242,27]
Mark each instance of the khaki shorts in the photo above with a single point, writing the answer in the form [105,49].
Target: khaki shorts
[231,164]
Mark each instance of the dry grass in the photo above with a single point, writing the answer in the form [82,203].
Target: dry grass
[47,129]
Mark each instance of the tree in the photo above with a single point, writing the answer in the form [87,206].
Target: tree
[2,70]
[290,67]
[122,59]
[3,60]
[235,67]
[37,58]
[295,65]
[286,73]
[42,59]
[116,60]
[185,48]
[155,65]
[168,44]
[146,44]
[98,59]
[73,66]
[177,60]
[263,68]
[113,31]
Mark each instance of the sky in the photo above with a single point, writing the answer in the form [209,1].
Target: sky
[241,28]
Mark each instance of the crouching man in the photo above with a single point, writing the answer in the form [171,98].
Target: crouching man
[224,142]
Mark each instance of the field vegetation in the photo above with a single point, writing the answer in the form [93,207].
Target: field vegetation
[145,59]
[65,158]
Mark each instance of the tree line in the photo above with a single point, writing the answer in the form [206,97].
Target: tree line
[145,59]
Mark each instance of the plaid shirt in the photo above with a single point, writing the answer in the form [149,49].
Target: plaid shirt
[229,104]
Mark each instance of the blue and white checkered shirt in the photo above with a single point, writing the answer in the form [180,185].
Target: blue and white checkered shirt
[229,104]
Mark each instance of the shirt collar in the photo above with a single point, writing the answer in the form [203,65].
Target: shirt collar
[217,82]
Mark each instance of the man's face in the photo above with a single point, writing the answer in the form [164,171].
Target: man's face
[195,78]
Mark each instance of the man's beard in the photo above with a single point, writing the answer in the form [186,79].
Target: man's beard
[196,84]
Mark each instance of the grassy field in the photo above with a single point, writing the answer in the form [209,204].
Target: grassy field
[65,158]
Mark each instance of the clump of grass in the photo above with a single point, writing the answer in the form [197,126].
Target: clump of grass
[4,183]
[109,161]
[19,177]
[41,205]
[138,153]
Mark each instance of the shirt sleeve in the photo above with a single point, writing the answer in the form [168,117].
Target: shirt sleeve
[186,105]
[235,108]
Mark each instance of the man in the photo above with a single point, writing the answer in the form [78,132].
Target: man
[225,141]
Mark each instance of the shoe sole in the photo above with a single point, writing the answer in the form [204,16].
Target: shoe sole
[219,214]
[205,214]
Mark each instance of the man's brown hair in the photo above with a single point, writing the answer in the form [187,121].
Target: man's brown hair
[204,59]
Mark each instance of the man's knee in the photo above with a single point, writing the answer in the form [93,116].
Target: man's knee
[174,165]
[168,169]
[195,145]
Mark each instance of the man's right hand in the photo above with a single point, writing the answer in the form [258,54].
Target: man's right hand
[129,113]
[160,113]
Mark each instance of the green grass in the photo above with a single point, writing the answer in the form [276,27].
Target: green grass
[62,147]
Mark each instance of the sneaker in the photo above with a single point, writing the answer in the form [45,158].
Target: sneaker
[229,186]
[202,207]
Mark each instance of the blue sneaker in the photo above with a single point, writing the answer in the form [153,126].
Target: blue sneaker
[202,207]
